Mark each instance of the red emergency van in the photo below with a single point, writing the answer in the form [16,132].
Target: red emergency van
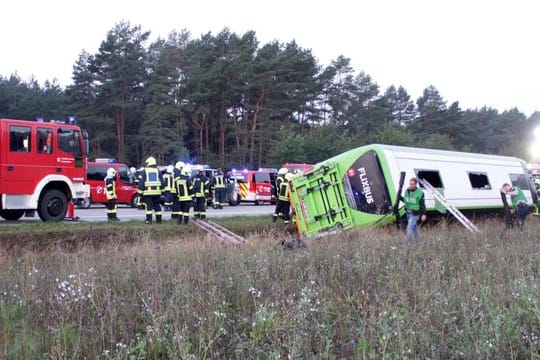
[126,190]
[42,168]
[252,186]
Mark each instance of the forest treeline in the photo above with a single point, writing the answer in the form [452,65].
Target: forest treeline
[228,100]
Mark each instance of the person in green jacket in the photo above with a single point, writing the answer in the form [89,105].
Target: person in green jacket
[518,199]
[415,207]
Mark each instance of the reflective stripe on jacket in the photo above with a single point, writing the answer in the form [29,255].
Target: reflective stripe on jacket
[150,183]
[110,188]
[200,186]
[184,188]
[219,181]
[283,191]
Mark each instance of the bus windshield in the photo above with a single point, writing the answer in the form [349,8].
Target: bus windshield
[365,185]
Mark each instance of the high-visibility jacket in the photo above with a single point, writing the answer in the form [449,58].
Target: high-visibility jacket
[414,200]
[110,188]
[184,188]
[279,180]
[151,181]
[283,190]
[200,185]
[168,181]
[517,195]
[218,181]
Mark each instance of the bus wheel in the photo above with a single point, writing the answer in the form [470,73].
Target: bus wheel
[134,201]
[53,206]
[11,214]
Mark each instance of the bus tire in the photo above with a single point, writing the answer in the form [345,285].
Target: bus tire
[11,214]
[52,205]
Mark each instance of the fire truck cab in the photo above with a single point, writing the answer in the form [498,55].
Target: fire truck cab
[252,185]
[126,190]
[42,167]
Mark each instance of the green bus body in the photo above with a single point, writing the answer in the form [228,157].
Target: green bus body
[359,187]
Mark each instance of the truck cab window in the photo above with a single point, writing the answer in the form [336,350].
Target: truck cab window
[44,141]
[19,139]
[68,141]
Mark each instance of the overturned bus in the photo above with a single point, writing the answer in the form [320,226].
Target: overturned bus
[359,187]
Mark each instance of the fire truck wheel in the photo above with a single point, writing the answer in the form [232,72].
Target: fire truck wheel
[134,200]
[11,214]
[53,206]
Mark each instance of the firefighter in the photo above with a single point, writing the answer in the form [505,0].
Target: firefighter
[283,197]
[110,191]
[177,172]
[150,185]
[278,212]
[200,190]
[220,192]
[169,190]
[135,178]
[184,192]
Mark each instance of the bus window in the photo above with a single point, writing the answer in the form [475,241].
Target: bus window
[19,139]
[519,180]
[479,181]
[431,176]
[44,141]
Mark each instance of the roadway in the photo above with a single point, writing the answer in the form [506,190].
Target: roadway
[99,213]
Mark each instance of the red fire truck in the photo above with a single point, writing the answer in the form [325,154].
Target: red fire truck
[42,167]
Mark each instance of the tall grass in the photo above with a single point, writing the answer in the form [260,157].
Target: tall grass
[361,294]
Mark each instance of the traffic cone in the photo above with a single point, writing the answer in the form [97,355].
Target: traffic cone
[71,212]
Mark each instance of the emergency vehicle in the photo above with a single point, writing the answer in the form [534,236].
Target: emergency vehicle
[126,190]
[359,187]
[296,168]
[42,168]
[252,186]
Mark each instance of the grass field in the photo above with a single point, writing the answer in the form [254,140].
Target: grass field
[127,291]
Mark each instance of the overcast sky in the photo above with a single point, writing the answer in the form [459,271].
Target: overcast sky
[477,52]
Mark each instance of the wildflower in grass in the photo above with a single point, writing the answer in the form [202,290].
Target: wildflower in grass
[73,290]
[254,292]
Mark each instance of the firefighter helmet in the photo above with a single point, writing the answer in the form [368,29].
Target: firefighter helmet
[170,169]
[288,176]
[283,171]
[151,161]
[179,165]
[132,170]
[186,170]
[111,172]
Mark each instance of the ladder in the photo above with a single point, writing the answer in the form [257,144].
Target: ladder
[223,234]
[453,210]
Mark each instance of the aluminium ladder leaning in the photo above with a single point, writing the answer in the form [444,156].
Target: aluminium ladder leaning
[453,210]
